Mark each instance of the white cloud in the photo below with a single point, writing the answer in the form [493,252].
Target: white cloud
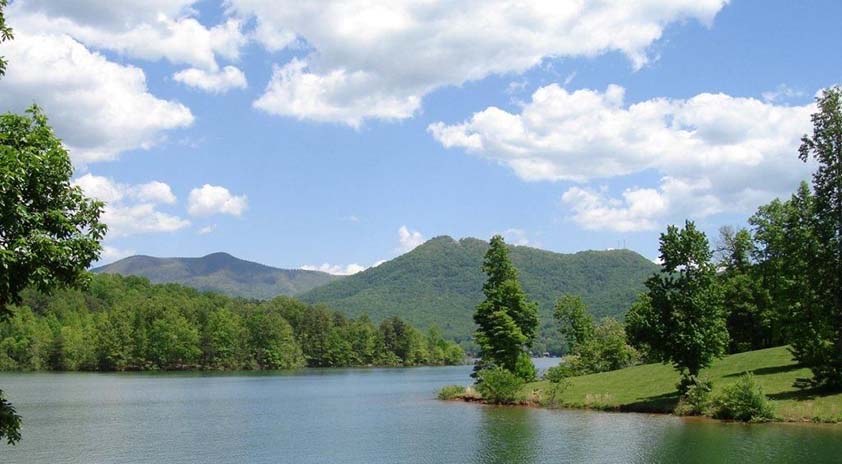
[714,152]
[146,29]
[516,236]
[213,199]
[131,209]
[379,59]
[206,229]
[111,254]
[99,108]
[781,92]
[215,82]
[155,192]
[408,239]
[336,269]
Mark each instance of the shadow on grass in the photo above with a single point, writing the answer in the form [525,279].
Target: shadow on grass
[767,370]
[660,403]
[804,393]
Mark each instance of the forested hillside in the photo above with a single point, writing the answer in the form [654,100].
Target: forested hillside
[440,282]
[126,323]
[222,273]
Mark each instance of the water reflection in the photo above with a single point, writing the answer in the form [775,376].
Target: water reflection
[507,435]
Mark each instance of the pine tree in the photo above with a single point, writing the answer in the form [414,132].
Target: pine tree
[507,320]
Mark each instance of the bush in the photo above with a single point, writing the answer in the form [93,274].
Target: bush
[743,401]
[451,392]
[499,386]
[696,400]
[557,377]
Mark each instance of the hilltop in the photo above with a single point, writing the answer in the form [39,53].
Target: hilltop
[222,273]
[440,282]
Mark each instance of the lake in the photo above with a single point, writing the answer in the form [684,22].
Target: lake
[357,416]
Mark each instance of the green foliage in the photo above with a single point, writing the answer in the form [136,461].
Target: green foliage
[440,283]
[50,231]
[9,421]
[750,318]
[221,273]
[593,347]
[5,34]
[680,320]
[557,376]
[696,399]
[125,323]
[499,386]
[506,320]
[574,321]
[817,338]
[743,401]
[451,392]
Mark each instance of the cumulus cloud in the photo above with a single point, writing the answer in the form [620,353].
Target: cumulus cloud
[132,209]
[99,108]
[408,239]
[336,269]
[145,29]
[215,82]
[714,152]
[379,59]
[213,199]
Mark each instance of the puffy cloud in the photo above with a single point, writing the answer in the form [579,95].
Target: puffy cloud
[213,199]
[408,239]
[379,59]
[336,269]
[99,108]
[714,152]
[516,237]
[131,209]
[111,253]
[216,82]
[151,30]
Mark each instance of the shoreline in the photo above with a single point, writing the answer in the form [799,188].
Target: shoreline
[620,410]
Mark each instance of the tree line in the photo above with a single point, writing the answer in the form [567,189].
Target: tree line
[126,323]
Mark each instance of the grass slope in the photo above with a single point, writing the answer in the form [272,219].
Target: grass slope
[651,387]
[221,272]
[441,282]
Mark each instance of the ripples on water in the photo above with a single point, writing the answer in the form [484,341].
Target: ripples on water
[358,416]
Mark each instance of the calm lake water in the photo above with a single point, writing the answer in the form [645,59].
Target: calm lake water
[357,416]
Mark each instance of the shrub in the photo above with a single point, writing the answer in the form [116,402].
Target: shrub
[451,392]
[499,386]
[696,400]
[743,401]
[557,377]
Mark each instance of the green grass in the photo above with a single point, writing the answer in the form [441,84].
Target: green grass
[652,387]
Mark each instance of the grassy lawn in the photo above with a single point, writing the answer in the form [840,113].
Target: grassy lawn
[651,388]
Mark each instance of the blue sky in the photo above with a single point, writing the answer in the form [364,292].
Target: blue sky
[346,135]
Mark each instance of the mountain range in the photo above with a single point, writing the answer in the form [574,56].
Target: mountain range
[439,282]
[223,273]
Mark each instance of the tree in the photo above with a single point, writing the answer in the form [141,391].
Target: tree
[818,341]
[272,341]
[49,231]
[680,319]
[224,340]
[507,320]
[174,342]
[750,317]
[576,325]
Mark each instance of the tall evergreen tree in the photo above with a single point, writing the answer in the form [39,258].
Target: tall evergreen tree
[818,340]
[507,320]
[683,322]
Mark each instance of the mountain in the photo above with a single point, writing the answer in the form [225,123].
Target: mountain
[221,272]
[441,282]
